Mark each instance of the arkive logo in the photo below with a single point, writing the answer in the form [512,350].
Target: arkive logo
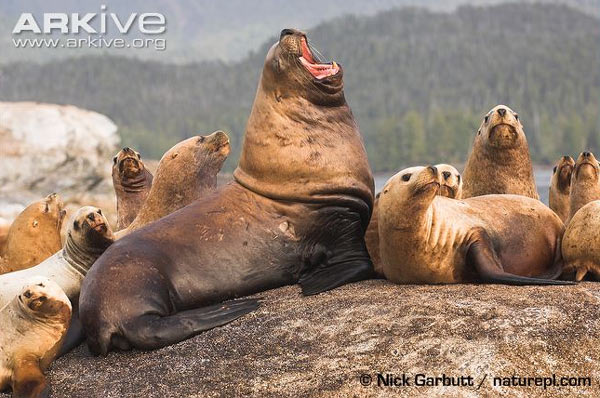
[89,30]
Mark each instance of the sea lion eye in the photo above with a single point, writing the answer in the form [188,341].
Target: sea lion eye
[27,294]
[202,139]
[406,177]
[516,116]
[91,216]
[76,225]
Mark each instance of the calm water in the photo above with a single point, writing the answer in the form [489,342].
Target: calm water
[542,180]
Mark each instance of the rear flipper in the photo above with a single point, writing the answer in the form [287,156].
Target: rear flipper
[151,331]
[482,257]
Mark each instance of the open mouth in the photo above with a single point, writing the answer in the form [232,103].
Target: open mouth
[318,70]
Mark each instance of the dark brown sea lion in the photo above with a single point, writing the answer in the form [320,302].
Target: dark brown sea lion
[296,212]
[185,173]
[427,238]
[34,235]
[585,182]
[560,187]
[132,182]
[32,327]
[499,162]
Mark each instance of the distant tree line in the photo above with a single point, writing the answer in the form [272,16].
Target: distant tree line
[418,82]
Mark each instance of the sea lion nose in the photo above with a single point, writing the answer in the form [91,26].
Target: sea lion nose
[586,154]
[501,112]
[433,169]
[286,32]
[446,174]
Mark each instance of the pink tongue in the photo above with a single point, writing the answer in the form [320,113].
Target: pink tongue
[320,71]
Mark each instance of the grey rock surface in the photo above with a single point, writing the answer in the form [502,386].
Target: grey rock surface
[319,346]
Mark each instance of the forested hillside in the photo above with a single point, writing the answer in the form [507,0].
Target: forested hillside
[419,83]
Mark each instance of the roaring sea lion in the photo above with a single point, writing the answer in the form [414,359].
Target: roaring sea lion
[297,211]
[34,235]
[185,173]
[585,182]
[499,162]
[32,328]
[427,238]
[581,242]
[560,187]
[132,182]
[451,187]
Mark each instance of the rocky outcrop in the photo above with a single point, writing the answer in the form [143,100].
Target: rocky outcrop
[48,148]
[319,346]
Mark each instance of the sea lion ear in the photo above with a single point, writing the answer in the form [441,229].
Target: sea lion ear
[479,132]
[76,225]
[47,208]
[554,170]
[115,160]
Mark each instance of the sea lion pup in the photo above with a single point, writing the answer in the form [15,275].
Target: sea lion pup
[499,161]
[427,238]
[32,328]
[296,211]
[581,242]
[560,187]
[585,182]
[132,182]
[34,235]
[451,187]
[185,173]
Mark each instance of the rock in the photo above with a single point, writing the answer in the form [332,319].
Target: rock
[47,148]
[318,346]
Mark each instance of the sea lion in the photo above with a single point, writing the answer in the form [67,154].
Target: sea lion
[88,236]
[32,328]
[427,238]
[451,187]
[499,161]
[296,211]
[185,173]
[585,182]
[34,235]
[132,182]
[560,187]
[581,242]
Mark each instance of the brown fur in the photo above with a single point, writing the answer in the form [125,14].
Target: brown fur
[560,187]
[34,235]
[426,237]
[581,242]
[185,173]
[132,182]
[33,326]
[585,182]
[451,187]
[499,162]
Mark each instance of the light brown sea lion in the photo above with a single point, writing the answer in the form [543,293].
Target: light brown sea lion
[427,238]
[451,187]
[32,328]
[132,182]
[499,162]
[4,228]
[296,212]
[185,173]
[34,235]
[585,182]
[560,187]
[581,242]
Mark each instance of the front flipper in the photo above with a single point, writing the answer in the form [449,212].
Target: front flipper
[483,259]
[75,335]
[152,331]
[28,380]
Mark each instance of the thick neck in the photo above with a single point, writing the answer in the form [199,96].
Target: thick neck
[134,184]
[295,150]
